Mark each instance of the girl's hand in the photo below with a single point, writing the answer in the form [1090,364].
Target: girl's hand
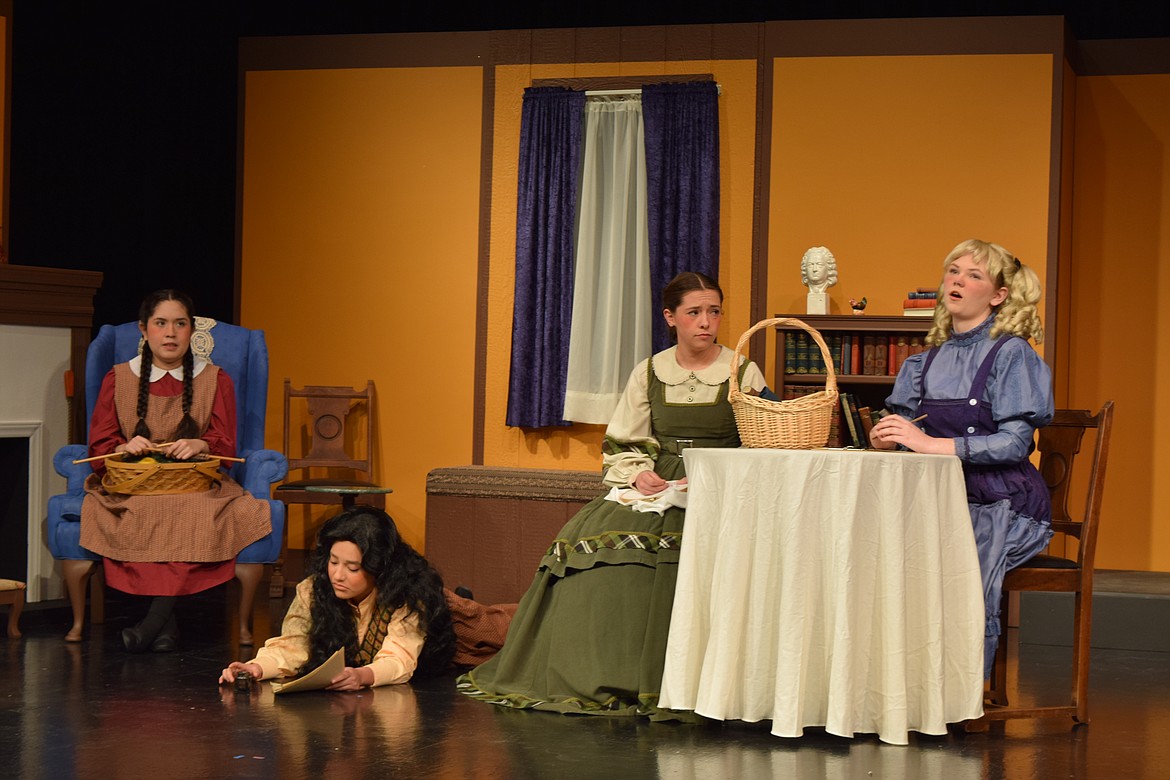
[352,679]
[648,483]
[136,446]
[228,677]
[185,449]
[894,429]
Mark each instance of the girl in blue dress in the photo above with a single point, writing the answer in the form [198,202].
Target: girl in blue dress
[984,392]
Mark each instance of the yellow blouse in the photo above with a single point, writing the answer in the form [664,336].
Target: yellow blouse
[283,655]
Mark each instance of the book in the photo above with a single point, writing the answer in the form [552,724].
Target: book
[881,352]
[862,436]
[919,312]
[789,352]
[919,303]
[847,416]
[866,422]
[802,342]
[317,678]
[868,346]
[922,294]
[835,341]
[901,352]
[855,355]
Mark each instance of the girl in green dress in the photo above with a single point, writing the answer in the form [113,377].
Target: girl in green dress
[589,636]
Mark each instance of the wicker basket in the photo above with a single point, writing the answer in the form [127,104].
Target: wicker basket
[156,479]
[798,424]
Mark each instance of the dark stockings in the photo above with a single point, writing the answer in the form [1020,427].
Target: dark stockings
[157,631]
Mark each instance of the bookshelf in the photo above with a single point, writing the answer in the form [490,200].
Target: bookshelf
[870,389]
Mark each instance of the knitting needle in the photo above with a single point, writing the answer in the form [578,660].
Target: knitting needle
[919,417]
[152,449]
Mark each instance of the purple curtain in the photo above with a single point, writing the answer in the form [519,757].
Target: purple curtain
[682,182]
[550,148]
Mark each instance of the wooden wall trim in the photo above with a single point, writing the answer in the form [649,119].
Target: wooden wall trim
[51,297]
[54,298]
[916,37]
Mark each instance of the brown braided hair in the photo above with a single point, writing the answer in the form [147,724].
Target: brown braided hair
[188,428]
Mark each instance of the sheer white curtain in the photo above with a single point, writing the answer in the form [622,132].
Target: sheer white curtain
[611,289]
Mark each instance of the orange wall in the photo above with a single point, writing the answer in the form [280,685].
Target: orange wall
[360,225]
[579,446]
[360,228]
[892,161]
[1120,327]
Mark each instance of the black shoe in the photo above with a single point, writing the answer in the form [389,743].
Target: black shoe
[167,640]
[133,640]
[464,592]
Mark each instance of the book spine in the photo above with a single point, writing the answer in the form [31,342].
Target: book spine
[848,417]
[922,295]
[866,422]
[855,355]
[867,345]
[789,352]
[881,352]
[816,361]
[862,439]
[901,352]
[919,303]
[802,353]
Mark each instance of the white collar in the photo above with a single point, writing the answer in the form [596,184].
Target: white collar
[669,372]
[157,373]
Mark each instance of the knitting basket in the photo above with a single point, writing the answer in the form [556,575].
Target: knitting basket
[156,479]
[797,424]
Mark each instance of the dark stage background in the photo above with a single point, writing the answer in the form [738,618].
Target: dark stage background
[123,116]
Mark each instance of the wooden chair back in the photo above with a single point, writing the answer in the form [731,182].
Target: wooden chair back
[328,407]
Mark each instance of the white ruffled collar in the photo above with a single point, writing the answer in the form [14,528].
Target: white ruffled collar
[157,373]
[669,372]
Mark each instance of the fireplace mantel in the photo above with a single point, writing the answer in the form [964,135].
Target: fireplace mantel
[54,298]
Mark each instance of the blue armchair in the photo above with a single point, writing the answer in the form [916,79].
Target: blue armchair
[243,354]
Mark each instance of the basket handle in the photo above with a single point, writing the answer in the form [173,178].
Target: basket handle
[830,374]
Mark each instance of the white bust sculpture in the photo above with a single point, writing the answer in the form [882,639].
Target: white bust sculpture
[818,269]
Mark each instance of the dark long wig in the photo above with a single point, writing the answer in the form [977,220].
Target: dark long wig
[402,577]
[188,428]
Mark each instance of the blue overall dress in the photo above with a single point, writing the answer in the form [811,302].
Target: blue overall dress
[1010,504]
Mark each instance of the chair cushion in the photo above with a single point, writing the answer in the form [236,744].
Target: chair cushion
[1048,562]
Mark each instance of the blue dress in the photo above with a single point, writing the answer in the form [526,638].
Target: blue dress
[989,396]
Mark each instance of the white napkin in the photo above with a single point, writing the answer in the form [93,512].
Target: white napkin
[675,494]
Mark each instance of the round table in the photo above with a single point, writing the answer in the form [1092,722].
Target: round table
[349,493]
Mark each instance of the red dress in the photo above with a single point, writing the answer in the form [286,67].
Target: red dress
[137,535]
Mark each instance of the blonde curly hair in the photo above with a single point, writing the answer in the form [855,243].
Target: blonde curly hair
[1017,314]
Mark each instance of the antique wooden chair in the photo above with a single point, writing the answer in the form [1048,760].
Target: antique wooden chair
[347,464]
[1060,442]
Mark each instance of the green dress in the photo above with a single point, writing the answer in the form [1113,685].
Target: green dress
[589,636]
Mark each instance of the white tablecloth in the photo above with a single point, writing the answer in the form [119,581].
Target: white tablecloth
[833,588]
